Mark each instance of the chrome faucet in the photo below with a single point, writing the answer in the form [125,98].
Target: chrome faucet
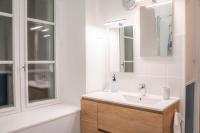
[142,89]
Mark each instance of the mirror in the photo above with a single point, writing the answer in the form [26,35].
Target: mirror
[126,48]
[121,49]
[156,36]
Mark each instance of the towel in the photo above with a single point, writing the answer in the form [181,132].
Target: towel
[177,123]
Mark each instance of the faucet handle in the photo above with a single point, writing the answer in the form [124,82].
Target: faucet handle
[142,86]
[142,89]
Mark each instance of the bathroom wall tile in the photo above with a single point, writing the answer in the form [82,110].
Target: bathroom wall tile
[154,60]
[175,70]
[175,84]
[140,68]
[131,84]
[179,17]
[178,48]
[156,69]
[136,49]
[128,85]
[155,72]
[155,85]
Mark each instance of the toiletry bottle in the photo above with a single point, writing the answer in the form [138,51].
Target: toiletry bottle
[115,85]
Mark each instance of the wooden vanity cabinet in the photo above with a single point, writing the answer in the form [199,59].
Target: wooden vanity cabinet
[118,119]
[101,117]
[88,116]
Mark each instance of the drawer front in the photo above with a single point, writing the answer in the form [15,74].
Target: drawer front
[88,116]
[116,119]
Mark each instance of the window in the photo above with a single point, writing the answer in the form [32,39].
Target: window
[6,55]
[40,57]
[27,54]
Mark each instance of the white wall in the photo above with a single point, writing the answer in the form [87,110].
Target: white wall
[71,49]
[95,48]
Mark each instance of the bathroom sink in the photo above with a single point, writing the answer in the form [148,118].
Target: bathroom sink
[152,102]
[142,100]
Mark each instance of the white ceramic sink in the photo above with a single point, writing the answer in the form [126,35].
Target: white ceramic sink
[143,100]
[151,102]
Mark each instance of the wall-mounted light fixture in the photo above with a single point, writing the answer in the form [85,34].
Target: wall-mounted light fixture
[115,23]
[159,4]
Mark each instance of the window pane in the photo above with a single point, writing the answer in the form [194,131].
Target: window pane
[41,9]
[6,86]
[5,38]
[128,44]
[40,41]
[6,6]
[41,83]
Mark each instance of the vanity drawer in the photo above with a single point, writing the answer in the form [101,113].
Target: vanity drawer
[116,119]
[88,116]
[103,117]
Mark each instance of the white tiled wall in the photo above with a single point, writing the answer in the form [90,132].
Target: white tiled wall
[155,72]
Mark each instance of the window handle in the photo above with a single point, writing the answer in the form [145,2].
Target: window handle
[23,68]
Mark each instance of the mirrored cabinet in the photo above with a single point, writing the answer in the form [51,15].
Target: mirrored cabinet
[156,30]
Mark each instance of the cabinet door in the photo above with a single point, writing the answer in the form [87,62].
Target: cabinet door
[116,119]
[88,116]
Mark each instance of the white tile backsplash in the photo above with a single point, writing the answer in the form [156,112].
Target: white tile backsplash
[175,84]
[179,17]
[131,84]
[155,85]
[156,69]
[136,50]
[159,72]
[178,48]
[174,70]
[140,68]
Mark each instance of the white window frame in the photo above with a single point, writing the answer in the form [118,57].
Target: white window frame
[19,49]
[24,61]
[15,62]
